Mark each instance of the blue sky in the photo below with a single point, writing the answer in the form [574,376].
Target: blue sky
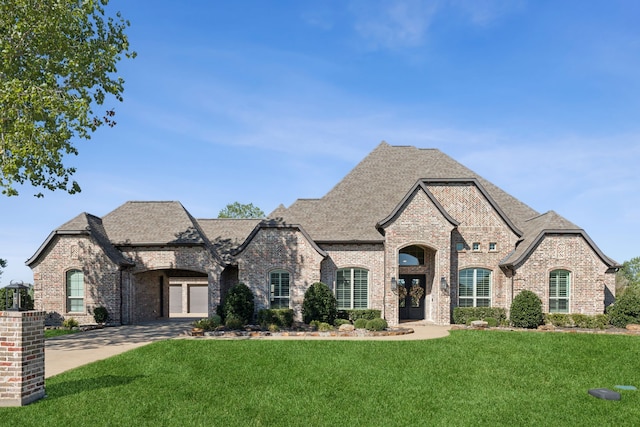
[266,102]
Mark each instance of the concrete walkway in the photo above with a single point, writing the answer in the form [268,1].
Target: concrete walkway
[71,351]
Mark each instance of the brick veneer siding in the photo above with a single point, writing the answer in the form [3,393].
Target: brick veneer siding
[479,223]
[419,223]
[21,357]
[367,256]
[279,249]
[101,279]
[590,281]
[143,297]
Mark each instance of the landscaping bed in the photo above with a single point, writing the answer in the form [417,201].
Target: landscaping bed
[251,333]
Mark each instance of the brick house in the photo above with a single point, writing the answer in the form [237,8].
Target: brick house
[403,217]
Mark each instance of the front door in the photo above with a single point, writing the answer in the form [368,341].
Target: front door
[411,300]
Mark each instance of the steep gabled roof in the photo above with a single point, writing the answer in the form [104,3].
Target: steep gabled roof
[549,223]
[377,185]
[88,225]
[152,224]
[226,235]
[274,223]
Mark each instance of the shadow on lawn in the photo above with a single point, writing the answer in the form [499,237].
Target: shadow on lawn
[67,388]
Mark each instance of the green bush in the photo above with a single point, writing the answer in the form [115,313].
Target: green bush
[338,322]
[208,324]
[625,310]
[360,323]
[526,310]
[233,322]
[461,315]
[470,320]
[560,320]
[239,303]
[492,322]
[321,326]
[353,315]
[70,323]
[282,317]
[377,324]
[319,304]
[100,314]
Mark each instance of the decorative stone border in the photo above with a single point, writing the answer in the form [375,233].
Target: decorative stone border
[326,334]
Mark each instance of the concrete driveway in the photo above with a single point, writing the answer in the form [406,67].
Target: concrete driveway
[71,351]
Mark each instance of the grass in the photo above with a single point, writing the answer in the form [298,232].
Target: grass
[51,333]
[471,378]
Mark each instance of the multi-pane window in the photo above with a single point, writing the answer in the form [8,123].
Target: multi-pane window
[492,246]
[474,288]
[352,288]
[559,284]
[476,246]
[279,280]
[75,291]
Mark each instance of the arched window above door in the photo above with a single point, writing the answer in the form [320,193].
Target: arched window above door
[411,255]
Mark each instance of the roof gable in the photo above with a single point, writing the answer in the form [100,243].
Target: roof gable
[378,185]
[152,224]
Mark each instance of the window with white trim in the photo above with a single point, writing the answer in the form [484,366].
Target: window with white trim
[493,246]
[559,285]
[476,246]
[474,287]
[75,291]
[352,288]
[279,280]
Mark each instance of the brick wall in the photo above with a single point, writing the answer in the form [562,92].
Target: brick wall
[281,249]
[589,277]
[21,357]
[367,256]
[101,279]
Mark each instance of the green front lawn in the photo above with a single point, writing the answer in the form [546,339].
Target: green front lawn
[470,378]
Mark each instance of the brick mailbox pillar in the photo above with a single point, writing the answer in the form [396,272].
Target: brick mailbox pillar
[21,357]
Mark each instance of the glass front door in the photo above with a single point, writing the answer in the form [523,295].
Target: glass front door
[411,297]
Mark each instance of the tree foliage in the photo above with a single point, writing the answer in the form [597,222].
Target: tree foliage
[239,210]
[628,277]
[3,264]
[57,63]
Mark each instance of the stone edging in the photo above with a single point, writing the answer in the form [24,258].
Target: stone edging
[326,334]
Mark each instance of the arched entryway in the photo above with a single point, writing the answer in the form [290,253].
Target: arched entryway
[415,283]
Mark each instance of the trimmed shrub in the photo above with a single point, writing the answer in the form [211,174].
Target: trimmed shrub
[239,303]
[208,324]
[281,317]
[319,304]
[492,322]
[625,310]
[368,314]
[560,320]
[321,326]
[233,322]
[100,314]
[461,315]
[360,323]
[526,310]
[338,322]
[377,324]
[70,323]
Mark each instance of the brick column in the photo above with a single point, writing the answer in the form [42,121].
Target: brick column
[21,357]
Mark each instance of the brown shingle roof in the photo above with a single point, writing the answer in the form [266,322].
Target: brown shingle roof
[373,189]
[226,235]
[151,223]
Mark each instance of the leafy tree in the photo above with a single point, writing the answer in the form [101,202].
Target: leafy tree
[239,210]
[57,63]
[3,264]
[628,277]
[239,304]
